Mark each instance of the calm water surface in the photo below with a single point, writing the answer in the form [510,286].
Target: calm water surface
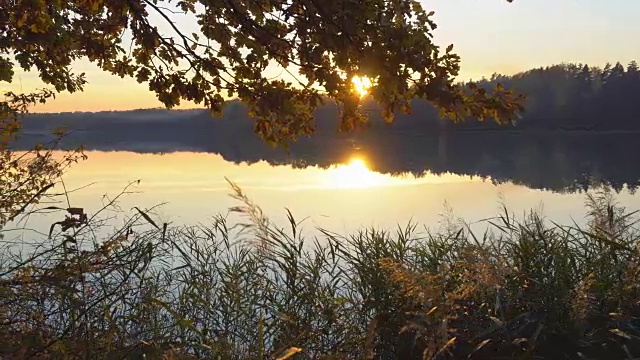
[192,189]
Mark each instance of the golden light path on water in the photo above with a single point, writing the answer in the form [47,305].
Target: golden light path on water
[208,172]
[190,188]
[356,175]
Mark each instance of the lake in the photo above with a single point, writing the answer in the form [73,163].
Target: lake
[191,187]
[382,176]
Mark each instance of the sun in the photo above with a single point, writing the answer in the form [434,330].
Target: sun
[361,85]
[355,174]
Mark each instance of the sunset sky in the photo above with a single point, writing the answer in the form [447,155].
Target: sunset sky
[490,36]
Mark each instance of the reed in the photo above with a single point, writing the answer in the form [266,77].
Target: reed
[525,288]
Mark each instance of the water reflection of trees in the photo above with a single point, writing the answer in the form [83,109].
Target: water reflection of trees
[560,162]
[554,160]
[579,131]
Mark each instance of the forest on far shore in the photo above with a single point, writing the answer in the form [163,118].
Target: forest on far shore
[565,103]
[567,96]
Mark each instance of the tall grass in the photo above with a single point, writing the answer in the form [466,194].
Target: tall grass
[526,288]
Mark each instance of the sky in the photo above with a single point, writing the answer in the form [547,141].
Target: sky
[491,36]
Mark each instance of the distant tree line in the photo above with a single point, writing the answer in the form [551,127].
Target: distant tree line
[567,101]
[559,97]
[568,96]
[578,97]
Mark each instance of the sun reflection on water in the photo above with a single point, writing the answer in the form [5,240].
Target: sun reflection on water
[175,172]
[356,175]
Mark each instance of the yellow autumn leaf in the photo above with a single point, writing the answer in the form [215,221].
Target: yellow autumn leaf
[290,353]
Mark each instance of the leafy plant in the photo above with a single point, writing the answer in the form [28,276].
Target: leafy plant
[327,44]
